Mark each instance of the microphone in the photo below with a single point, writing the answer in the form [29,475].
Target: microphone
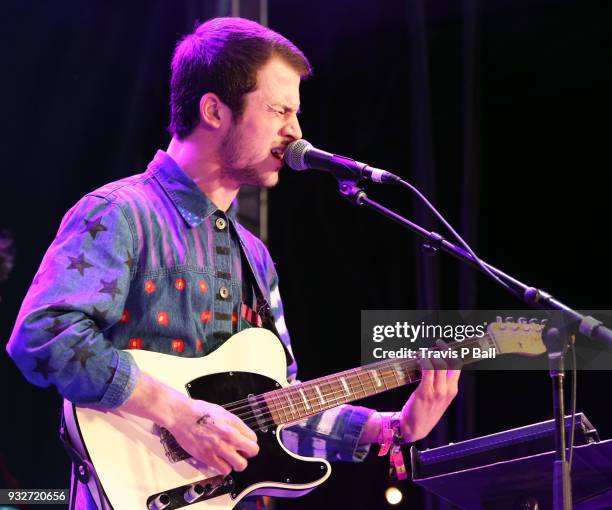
[301,155]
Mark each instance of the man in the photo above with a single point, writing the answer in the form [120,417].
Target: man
[158,261]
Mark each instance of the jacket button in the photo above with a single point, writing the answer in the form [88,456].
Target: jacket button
[224,292]
[220,224]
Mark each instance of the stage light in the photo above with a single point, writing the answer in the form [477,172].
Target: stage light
[393,495]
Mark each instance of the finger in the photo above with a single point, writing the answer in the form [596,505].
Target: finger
[234,437]
[446,380]
[440,378]
[218,464]
[242,427]
[439,364]
[233,458]
[452,380]
[244,445]
[424,362]
[453,363]
[427,373]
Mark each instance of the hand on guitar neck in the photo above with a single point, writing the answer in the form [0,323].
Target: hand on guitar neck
[426,405]
[205,430]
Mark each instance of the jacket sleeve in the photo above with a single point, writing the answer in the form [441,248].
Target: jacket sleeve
[333,434]
[78,293]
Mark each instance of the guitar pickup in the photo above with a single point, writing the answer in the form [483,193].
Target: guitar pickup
[259,409]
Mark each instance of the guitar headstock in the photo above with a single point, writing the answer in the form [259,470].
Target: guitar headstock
[520,337]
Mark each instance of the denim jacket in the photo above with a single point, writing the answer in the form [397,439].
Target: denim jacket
[149,262]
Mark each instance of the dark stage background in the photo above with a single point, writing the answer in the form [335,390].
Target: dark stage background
[497,109]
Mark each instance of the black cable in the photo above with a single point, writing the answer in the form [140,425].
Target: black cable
[457,237]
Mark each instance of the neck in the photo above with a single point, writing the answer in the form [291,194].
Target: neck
[204,168]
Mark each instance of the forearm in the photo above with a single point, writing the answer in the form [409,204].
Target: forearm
[155,401]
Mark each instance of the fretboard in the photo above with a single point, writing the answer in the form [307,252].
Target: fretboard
[300,401]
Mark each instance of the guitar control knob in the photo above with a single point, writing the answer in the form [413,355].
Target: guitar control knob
[193,492]
[161,501]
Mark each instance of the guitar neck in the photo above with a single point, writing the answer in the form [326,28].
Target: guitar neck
[300,401]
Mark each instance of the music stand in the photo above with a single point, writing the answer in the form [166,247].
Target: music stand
[500,482]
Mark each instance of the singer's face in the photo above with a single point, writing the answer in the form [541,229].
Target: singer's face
[253,146]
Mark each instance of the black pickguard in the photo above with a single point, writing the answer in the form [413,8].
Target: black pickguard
[272,464]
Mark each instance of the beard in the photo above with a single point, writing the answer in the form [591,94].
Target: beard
[230,151]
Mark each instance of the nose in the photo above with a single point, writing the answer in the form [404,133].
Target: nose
[292,128]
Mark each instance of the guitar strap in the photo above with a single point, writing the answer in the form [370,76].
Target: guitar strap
[250,286]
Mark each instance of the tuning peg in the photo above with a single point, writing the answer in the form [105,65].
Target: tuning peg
[543,322]
[499,319]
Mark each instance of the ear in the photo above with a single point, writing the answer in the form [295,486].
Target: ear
[212,110]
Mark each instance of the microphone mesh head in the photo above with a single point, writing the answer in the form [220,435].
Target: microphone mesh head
[295,152]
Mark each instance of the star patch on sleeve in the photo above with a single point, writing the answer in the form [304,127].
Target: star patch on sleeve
[81,354]
[99,316]
[57,327]
[110,288]
[44,367]
[94,227]
[79,263]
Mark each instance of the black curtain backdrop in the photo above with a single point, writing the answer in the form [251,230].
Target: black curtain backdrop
[498,110]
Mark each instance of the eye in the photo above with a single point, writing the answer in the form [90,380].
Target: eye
[275,110]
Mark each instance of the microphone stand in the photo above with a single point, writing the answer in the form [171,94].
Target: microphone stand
[557,335]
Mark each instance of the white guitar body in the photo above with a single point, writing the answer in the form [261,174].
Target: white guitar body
[129,457]
[140,466]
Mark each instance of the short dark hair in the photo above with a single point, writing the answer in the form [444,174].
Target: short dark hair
[223,56]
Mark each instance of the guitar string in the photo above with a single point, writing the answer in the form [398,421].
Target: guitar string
[330,391]
[255,421]
[338,397]
[276,408]
[351,375]
[385,363]
[371,366]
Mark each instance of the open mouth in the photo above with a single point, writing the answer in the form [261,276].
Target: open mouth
[278,153]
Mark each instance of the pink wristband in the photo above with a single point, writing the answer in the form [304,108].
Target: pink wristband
[390,439]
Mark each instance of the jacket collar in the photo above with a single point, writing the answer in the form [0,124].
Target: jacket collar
[193,205]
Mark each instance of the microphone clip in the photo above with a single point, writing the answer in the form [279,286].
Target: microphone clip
[352,192]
